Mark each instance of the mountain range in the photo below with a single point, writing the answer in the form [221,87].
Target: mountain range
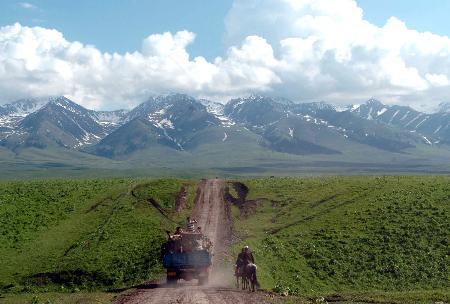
[177,131]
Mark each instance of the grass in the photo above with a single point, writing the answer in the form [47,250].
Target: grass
[54,298]
[240,155]
[84,235]
[359,237]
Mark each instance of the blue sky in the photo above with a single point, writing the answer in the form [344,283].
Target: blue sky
[422,15]
[116,25]
[119,26]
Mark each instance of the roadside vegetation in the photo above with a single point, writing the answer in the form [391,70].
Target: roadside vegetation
[84,235]
[380,239]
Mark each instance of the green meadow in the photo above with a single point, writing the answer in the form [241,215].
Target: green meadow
[84,235]
[349,238]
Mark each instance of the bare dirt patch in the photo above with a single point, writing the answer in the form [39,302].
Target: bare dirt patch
[246,207]
[181,199]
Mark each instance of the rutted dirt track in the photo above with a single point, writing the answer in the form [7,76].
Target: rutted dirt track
[213,215]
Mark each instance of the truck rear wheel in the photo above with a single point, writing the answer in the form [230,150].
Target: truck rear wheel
[171,280]
[203,280]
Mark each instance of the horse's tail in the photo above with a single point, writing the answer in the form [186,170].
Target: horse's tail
[253,275]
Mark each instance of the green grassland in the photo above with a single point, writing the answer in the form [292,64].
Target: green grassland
[382,239]
[238,156]
[362,239]
[84,235]
[59,297]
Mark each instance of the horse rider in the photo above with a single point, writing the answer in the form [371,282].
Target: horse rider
[240,260]
[248,256]
[244,258]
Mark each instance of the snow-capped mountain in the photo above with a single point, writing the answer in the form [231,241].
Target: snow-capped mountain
[170,120]
[53,121]
[180,122]
[255,111]
[313,127]
[11,114]
[433,128]
[23,107]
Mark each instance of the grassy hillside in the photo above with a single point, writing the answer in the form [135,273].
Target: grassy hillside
[71,235]
[350,235]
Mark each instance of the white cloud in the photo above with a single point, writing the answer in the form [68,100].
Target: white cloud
[27,5]
[437,80]
[327,50]
[36,61]
[301,49]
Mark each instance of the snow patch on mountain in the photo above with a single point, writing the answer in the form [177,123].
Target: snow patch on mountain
[393,116]
[382,111]
[217,109]
[87,139]
[110,117]
[414,119]
[291,132]
[355,107]
[427,141]
[166,123]
[225,136]
[159,119]
[404,116]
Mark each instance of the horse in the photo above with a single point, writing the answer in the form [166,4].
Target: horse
[249,277]
[239,274]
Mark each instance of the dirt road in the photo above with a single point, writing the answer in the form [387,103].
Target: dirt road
[213,215]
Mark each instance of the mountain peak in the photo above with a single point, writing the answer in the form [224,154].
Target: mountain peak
[254,96]
[63,103]
[322,105]
[60,100]
[24,106]
[175,97]
[312,108]
[374,102]
[264,98]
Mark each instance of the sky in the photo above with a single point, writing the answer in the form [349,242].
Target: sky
[114,54]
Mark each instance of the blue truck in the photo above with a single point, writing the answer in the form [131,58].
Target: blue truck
[187,256]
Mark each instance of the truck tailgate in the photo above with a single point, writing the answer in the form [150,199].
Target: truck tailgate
[187,259]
